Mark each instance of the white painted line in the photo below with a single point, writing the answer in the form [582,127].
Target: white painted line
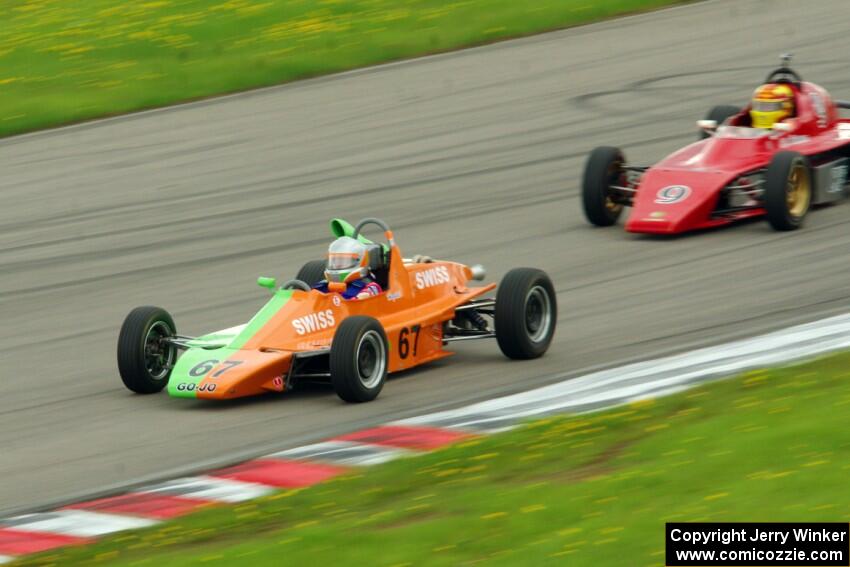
[653,378]
[346,453]
[5,559]
[212,489]
[79,523]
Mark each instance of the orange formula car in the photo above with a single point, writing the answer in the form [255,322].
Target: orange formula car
[306,334]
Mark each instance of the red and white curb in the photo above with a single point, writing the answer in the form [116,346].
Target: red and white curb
[310,464]
[150,505]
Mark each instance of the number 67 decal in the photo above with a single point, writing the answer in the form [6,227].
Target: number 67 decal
[203,368]
[404,343]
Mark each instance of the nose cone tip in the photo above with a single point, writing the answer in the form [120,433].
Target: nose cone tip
[651,226]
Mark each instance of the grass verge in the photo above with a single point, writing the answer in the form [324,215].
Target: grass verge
[588,490]
[64,61]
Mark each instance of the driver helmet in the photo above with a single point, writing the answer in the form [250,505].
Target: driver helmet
[348,260]
[772,103]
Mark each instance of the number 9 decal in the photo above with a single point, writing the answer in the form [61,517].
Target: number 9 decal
[672,194]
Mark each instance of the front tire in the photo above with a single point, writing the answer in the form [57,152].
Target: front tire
[719,114]
[604,168]
[526,313]
[144,359]
[312,272]
[358,359]
[787,190]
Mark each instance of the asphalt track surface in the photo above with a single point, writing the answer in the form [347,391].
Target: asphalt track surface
[474,156]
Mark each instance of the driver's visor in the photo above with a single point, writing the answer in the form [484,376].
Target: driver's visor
[342,260]
[768,106]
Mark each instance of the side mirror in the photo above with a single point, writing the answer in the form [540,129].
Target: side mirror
[782,126]
[708,125]
[267,282]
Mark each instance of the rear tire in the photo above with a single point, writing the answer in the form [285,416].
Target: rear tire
[604,167]
[719,114]
[787,190]
[526,313]
[359,359]
[312,272]
[144,361]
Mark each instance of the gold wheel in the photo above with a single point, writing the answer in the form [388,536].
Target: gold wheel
[603,172]
[614,174]
[799,192]
[612,206]
[787,191]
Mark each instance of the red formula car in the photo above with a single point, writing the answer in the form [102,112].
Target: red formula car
[735,171]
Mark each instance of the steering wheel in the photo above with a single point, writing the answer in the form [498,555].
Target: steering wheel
[369,220]
[296,284]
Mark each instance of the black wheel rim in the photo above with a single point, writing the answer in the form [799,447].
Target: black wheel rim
[159,355]
[371,359]
[538,314]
